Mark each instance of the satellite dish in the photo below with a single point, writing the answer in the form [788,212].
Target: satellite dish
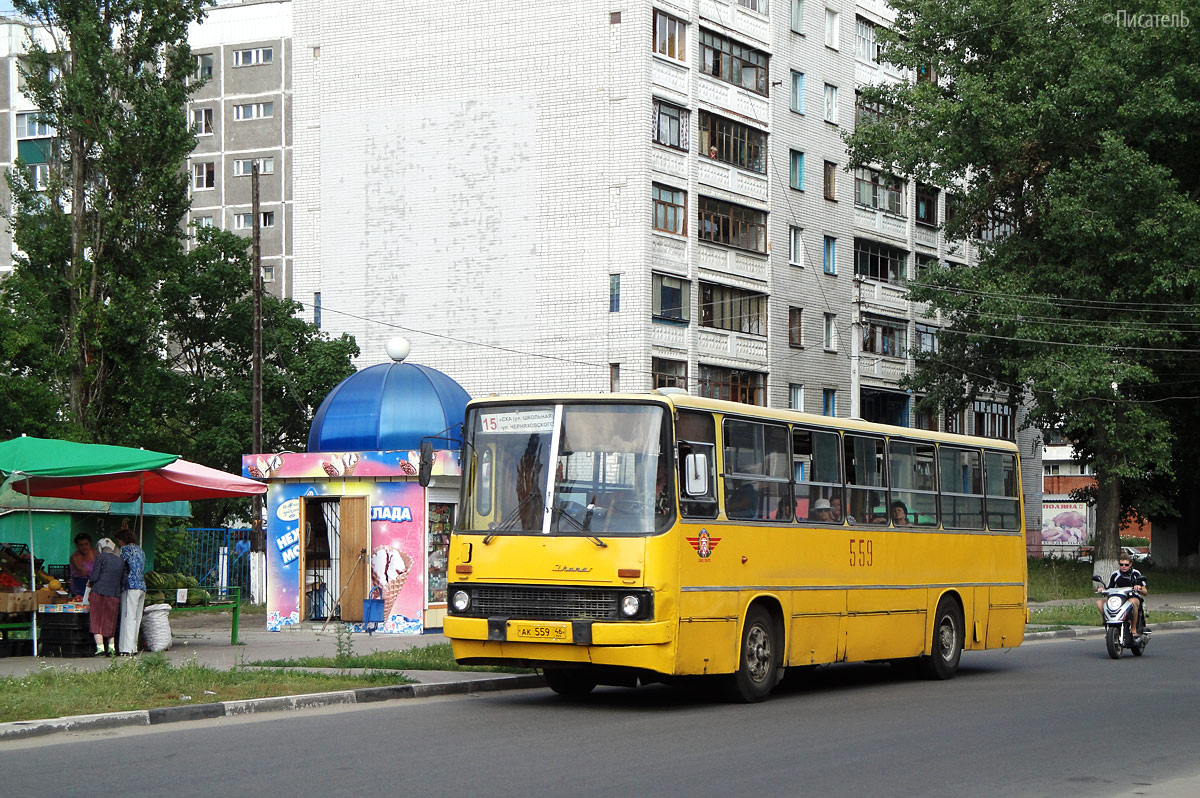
[398,349]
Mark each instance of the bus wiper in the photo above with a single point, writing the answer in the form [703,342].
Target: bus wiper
[597,541]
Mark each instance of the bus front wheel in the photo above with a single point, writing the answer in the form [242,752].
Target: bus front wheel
[758,664]
[569,682]
[942,662]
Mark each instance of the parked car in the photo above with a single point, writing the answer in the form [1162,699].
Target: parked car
[1135,554]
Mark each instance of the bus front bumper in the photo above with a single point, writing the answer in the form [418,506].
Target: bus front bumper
[556,633]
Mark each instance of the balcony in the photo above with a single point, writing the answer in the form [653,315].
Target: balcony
[722,175]
[884,224]
[733,98]
[738,18]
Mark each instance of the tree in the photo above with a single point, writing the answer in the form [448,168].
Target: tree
[1068,139]
[205,382]
[112,86]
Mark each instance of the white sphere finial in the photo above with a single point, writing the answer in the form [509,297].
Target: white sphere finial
[398,349]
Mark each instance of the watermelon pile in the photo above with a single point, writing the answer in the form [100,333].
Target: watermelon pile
[162,586]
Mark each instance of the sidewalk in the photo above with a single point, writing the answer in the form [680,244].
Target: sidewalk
[205,637]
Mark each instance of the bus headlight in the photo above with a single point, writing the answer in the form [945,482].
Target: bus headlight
[1114,602]
[460,600]
[630,606]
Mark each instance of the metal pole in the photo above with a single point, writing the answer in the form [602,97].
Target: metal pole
[32,565]
[257,367]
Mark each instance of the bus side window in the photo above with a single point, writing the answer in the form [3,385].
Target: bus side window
[697,435]
[866,487]
[817,468]
[1000,479]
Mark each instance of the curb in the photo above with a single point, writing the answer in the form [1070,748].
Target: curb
[23,729]
[1098,631]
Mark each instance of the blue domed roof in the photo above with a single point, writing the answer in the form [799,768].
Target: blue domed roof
[386,407]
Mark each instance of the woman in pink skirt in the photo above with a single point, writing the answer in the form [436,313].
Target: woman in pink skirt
[107,576]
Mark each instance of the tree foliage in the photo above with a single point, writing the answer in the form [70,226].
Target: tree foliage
[111,331]
[1069,140]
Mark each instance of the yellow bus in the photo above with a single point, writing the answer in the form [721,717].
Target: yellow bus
[625,539]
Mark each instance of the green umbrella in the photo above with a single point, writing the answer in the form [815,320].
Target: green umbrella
[27,457]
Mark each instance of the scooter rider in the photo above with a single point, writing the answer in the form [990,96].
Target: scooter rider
[1128,576]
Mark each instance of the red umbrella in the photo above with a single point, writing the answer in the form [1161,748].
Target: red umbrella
[179,481]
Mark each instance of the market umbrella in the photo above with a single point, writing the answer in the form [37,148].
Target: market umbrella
[26,458]
[181,480]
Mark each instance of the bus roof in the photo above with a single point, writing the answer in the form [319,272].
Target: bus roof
[681,400]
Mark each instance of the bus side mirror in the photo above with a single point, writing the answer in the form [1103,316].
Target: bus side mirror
[695,474]
[426,466]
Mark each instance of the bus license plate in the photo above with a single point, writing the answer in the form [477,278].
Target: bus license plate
[519,631]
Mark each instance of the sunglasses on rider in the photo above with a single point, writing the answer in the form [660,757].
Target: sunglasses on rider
[1125,564]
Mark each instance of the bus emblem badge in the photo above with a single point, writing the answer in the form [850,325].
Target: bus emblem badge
[703,544]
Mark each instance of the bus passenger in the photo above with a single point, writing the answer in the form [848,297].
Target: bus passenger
[835,509]
[899,513]
[822,513]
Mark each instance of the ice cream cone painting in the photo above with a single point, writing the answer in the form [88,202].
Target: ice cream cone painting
[389,571]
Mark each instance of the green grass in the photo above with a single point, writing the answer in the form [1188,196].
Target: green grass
[1052,578]
[437,657]
[150,682]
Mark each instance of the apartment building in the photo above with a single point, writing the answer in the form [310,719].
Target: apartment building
[592,197]
[240,115]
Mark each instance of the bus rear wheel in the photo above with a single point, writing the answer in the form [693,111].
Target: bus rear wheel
[569,682]
[944,654]
[758,663]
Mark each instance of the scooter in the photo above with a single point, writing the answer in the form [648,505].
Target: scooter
[1119,621]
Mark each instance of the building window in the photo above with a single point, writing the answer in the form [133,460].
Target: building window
[245,221]
[832,19]
[1051,469]
[253,57]
[732,142]
[670,125]
[253,111]
[831,104]
[830,180]
[268,274]
[829,401]
[204,175]
[734,385]
[669,373]
[754,5]
[670,36]
[202,121]
[317,309]
[796,170]
[734,63]
[923,419]
[865,48]
[926,339]
[927,202]
[245,167]
[614,293]
[204,66]
[796,246]
[734,225]
[795,397]
[830,255]
[927,73]
[865,112]
[873,190]
[614,377]
[672,298]
[956,422]
[203,221]
[798,92]
[830,332]
[725,308]
[798,16]
[993,420]
[33,126]
[670,209]
[882,336]
[39,176]
[796,328]
[880,262]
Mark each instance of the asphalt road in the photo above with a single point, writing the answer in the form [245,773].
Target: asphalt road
[1048,719]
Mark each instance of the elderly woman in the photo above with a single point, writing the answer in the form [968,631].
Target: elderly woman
[108,576]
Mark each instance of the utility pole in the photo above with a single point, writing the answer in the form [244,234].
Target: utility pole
[258,542]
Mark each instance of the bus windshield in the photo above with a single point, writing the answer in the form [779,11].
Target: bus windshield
[568,469]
